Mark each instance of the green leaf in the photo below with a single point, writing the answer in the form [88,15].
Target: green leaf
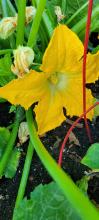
[46,203]
[13,162]
[5,70]
[12,109]
[72,6]
[83,184]
[91,159]
[96,109]
[4,137]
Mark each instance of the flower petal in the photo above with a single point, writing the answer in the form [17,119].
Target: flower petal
[25,91]
[73,98]
[63,52]
[49,112]
[92,71]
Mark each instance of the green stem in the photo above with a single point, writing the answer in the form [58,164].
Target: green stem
[36,23]
[46,21]
[4,8]
[5,51]
[76,13]
[16,3]
[11,8]
[80,26]
[63,6]
[21,22]
[43,37]
[49,26]
[25,174]
[79,202]
[10,145]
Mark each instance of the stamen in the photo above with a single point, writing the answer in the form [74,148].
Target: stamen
[54,78]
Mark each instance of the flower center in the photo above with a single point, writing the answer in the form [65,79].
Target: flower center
[54,78]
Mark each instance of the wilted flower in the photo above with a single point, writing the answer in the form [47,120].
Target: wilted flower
[30,13]
[7,26]
[23,58]
[59,14]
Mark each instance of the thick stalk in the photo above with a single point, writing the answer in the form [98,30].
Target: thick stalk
[78,201]
[36,23]
[25,174]
[21,22]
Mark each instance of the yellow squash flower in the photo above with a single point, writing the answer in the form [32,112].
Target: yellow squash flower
[58,85]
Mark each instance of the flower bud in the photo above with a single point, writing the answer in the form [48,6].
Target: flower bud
[23,133]
[30,13]
[7,26]
[23,58]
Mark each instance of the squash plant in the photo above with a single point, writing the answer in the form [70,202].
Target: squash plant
[44,66]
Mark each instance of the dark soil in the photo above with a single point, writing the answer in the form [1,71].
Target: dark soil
[52,140]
